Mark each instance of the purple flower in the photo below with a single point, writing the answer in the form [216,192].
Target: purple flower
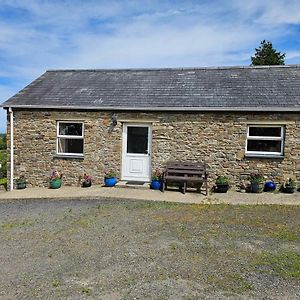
[54,175]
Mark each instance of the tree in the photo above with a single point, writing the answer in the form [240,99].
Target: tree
[2,141]
[267,55]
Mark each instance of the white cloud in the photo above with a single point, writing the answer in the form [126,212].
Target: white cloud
[283,12]
[143,44]
[292,54]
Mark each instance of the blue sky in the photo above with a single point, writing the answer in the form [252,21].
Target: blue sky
[40,35]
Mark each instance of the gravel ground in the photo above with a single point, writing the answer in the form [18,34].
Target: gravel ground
[148,250]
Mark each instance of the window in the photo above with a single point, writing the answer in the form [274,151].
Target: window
[70,138]
[265,140]
[137,139]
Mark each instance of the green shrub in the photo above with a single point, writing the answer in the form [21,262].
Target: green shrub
[222,180]
[2,141]
[3,181]
[3,170]
[256,178]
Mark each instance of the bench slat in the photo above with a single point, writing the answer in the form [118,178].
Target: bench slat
[186,167]
[196,172]
[184,178]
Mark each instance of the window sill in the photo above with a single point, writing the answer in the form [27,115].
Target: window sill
[69,156]
[264,156]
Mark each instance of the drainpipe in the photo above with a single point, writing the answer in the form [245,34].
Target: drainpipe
[11,118]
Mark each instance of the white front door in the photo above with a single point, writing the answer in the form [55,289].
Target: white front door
[136,152]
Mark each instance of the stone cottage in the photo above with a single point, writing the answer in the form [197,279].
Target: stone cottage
[237,119]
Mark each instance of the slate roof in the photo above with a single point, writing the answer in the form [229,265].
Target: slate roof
[272,88]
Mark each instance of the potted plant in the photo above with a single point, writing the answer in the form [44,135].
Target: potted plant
[85,180]
[56,179]
[222,184]
[256,183]
[156,180]
[21,182]
[270,186]
[288,186]
[110,178]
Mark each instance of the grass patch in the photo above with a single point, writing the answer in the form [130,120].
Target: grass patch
[16,224]
[285,264]
[159,205]
[287,235]
[86,291]
[83,222]
[56,283]
[233,283]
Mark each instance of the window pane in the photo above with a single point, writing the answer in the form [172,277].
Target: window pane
[70,129]
[265,146]
[137,140]
[265,131]
[70,146]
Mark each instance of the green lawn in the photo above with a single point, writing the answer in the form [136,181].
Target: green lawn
[148,250]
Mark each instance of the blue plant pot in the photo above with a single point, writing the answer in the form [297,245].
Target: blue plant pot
[110,181]
[270,186]
[155,185]
[55,184]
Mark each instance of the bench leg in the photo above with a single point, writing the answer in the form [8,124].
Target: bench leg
[206,188]
[163,186]
[184,187]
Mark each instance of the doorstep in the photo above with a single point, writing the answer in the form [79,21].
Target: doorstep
[132,185]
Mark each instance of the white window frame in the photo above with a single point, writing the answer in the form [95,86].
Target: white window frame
[74,137]
[266,138]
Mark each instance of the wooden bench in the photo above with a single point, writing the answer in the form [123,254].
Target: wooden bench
[183,173]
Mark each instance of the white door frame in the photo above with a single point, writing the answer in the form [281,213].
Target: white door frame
[124,147]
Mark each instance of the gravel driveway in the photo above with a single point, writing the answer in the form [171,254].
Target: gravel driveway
[147,250]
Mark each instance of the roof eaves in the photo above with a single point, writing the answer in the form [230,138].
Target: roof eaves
[187,109]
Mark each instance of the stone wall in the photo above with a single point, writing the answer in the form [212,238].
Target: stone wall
[218,138]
